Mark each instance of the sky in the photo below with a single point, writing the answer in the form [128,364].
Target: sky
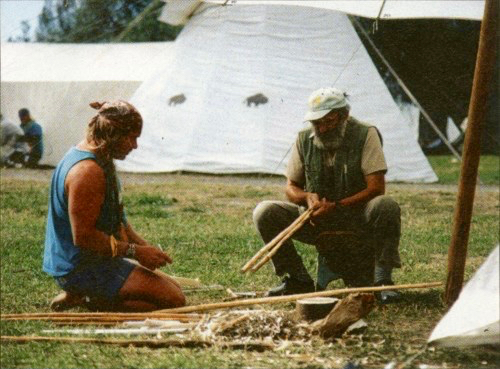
[12,12]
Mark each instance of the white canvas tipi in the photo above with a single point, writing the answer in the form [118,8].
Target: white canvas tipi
[234,96]
[474,317]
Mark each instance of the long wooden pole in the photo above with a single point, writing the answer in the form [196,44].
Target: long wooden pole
[103,315]
[485,63]
[95,320]
[252,345]
[137,20]
[289,298]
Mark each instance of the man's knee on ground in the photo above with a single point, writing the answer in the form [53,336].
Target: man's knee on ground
[169,294]
[175,298]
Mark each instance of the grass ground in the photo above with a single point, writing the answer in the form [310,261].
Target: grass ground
[207,228]
[447,169]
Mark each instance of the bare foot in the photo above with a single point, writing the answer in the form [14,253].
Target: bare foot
[65,301]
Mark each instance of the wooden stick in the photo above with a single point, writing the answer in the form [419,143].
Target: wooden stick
[252,345]
[485,65]
[275,249]
[231,293]
[214,287]
[227,325]
[79,324]
[128,316]
[97,319]
[279,299]
[273,242]
[182,281]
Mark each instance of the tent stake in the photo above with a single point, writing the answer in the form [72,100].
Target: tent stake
[485,63]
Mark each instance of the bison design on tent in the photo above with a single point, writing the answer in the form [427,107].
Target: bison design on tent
[227,55]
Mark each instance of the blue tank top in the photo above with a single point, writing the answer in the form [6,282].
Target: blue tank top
[61,255]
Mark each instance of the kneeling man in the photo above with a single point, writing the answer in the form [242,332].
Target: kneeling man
[88,237]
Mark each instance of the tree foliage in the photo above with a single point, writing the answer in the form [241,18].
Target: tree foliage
[94,21]
[25,33]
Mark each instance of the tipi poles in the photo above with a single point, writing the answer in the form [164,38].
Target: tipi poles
[485,63]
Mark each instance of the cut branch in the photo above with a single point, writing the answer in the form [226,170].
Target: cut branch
[275,249]
[252,345]
[289,298]
[285,234]
[103,317]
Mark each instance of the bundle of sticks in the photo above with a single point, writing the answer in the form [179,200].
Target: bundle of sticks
[266,253]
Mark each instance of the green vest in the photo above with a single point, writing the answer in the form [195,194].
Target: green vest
[345,178]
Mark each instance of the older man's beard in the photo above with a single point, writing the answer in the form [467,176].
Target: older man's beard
[330,140]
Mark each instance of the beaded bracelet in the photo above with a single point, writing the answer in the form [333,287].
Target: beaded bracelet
[114,246]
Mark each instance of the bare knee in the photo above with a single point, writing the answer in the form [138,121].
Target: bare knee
[143,284]
[167,292]
[173,298]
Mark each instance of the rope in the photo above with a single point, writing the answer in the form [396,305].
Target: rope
[333,84]
[375,24]
[407,91]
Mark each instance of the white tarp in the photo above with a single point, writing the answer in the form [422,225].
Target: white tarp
[226,54]
[36,62]
[178,12]
[474,317]
[385,9]
[56,82]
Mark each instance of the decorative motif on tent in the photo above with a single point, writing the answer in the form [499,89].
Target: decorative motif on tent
[177,99]
[256,99]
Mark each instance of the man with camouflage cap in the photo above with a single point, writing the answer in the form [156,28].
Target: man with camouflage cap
[337,167]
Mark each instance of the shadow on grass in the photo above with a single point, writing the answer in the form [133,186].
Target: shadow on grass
[431,299]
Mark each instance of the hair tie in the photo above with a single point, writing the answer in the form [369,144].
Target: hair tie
[97,105]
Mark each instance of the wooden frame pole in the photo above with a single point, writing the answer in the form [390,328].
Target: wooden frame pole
[485,63]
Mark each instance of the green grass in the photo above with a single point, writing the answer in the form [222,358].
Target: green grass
[207,229]
[447,168]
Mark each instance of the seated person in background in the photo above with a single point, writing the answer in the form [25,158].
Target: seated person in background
[336,167]
[33,136]
[88,236]
[13,149]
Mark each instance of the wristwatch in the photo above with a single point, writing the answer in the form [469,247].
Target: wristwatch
[131,250]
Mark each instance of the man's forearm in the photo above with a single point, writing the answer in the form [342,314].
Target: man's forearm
[133,236]
[359,198]
[100,243]
[375,186]
[296,195]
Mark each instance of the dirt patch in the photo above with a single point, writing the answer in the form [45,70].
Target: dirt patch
[44,175]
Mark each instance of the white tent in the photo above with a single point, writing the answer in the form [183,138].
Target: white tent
[179,11]
[226,56]
[474,317]
[56,82]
